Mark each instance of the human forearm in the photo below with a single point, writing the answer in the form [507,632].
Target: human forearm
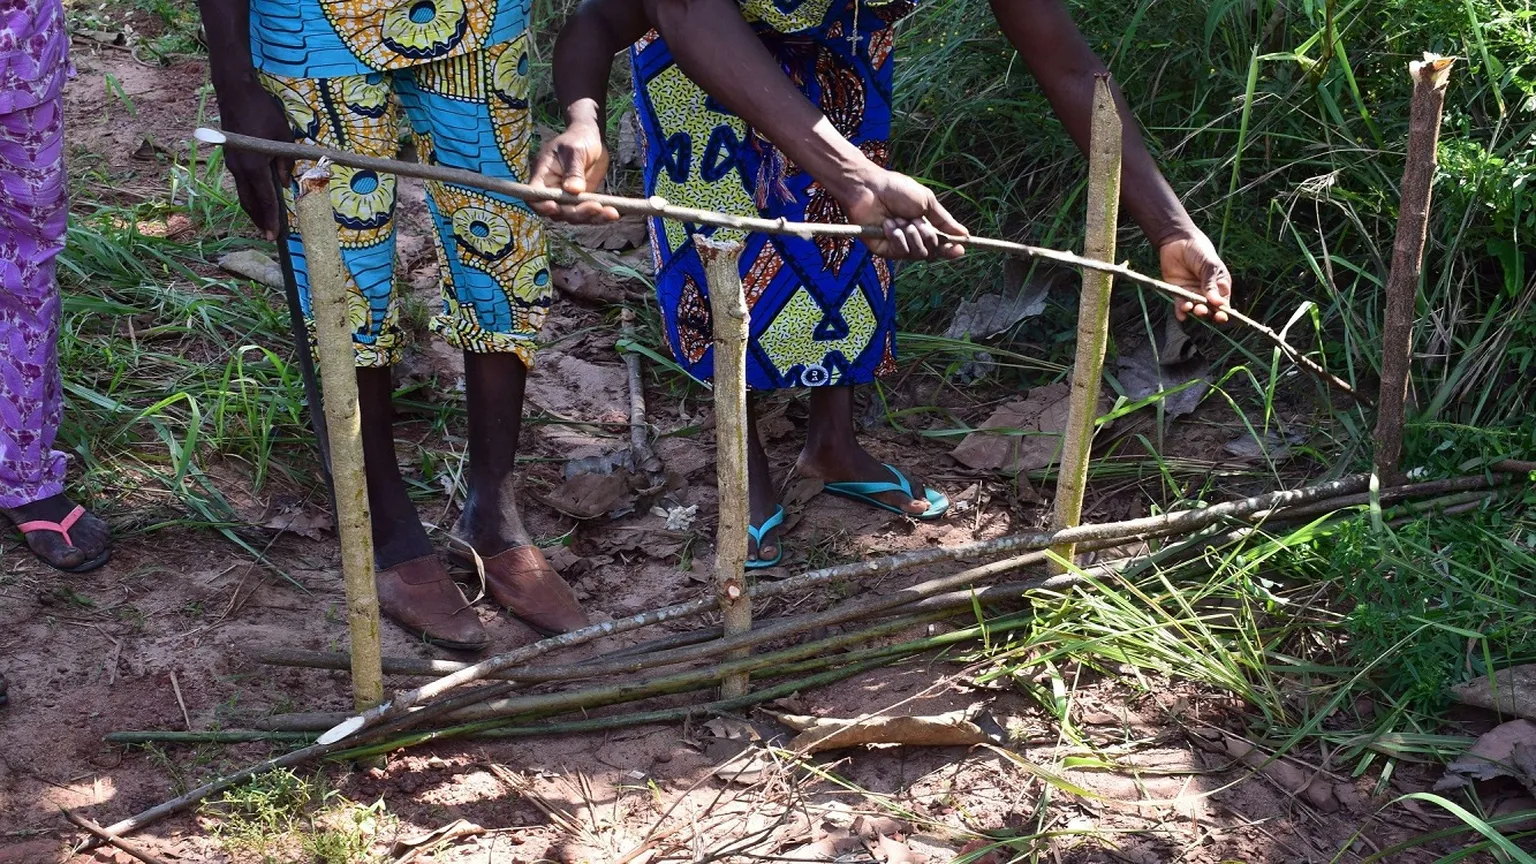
[1064,64]
[584,51]
[715,46]
[227,27]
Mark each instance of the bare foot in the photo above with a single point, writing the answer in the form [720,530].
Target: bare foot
[763,500]
[89,537]
[832,453]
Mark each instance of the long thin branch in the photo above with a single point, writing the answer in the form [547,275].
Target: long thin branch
[1150,526]
[659,207]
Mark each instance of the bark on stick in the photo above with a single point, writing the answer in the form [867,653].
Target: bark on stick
[659,206]
[338,377]
[1092,312]
[731,321]
[1430,77]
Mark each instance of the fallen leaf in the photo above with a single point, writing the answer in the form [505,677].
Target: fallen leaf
[1507,750]
[104,37]
[589,496]
[253,265]
[410,846]
[1023,435]
[651,544]
[818,734]
[991,314]
[627,233]
[1144,367]
[311,524]
[629,151]
[1272,447]
[602,464]
[875,835]
[582,281]
[1510,691]
[1315,790]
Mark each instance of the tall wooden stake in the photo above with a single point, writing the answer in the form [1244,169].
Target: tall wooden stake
[728,311]
[1430,77]
[338,378]
[1092,312]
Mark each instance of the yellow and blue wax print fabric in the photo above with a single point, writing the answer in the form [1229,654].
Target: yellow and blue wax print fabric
[340,38]
[824,310]
[469,111]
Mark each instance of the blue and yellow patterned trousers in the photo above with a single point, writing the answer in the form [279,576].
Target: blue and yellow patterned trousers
[469,111]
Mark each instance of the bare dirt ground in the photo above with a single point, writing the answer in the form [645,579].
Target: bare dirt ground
[159,640]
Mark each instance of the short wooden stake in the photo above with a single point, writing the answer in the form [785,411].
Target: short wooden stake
[1429,81]
[338,378]
[728,311]
[1092,313]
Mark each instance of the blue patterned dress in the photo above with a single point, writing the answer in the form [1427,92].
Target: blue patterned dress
[343,70]
[823,311]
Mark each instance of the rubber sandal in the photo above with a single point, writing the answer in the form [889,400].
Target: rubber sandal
[63,528]
[757,533]
[865,493]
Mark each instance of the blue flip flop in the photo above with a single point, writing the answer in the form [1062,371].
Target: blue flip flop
[866,492]
[757,533]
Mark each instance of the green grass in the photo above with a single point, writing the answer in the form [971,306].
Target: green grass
[282,816]
[1281,125]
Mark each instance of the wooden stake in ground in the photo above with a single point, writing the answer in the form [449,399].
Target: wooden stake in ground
[728,312]
[1092,311]
[1429,81]
[338,378]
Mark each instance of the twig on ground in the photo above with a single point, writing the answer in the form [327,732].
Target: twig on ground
[730,320]
[176,688]
[641,452]
[104,836]
[1430,78]
[1182,521]
[659,207]
[343,421]
[1092,313]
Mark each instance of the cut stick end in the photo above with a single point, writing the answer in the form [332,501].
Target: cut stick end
[317,178]
[341,730]
[1434,69]
[209,136]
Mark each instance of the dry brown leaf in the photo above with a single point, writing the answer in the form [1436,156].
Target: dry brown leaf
[310,524]
[582,281]
[407,848]
[1509,691]
[590,496]
[1027,434]
[1507,750]
[818,734]
[627,233]
[1315,790]
[255,266]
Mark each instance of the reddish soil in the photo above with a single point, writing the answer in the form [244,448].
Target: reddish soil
[159,640]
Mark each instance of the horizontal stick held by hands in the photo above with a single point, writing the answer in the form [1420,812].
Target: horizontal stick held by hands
[657,206]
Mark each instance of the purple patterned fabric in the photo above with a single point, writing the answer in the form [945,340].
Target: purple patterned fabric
[33,213]
[34,53]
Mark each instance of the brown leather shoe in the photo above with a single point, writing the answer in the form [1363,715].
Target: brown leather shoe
[421,597]
[523,582]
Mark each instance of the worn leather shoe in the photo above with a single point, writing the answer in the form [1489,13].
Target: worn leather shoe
[420,596]
[521,581]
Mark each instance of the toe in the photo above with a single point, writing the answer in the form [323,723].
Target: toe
[51,547]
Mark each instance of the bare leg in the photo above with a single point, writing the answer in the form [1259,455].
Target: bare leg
[494,387]
[763,499]
[832,452]
[397,532]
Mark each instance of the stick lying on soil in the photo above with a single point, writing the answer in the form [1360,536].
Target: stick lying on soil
[1182,521]
[658,206]
[1100,536]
